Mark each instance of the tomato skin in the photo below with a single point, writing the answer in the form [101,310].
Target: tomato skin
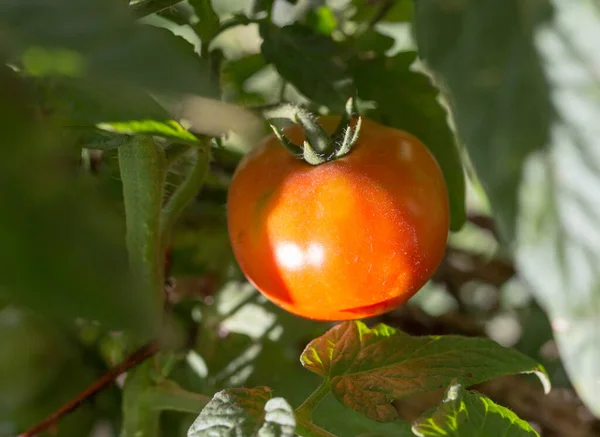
[348,239]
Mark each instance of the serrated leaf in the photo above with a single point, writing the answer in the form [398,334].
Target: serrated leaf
[208,26]
[407,100]
[368,368]
[470,414]
[310,61]
[482,51]
[245,413]
[169,129]
[558,246]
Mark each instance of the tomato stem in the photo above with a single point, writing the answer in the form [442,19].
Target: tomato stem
[184,194]
[143,170]
[305,428]
[319,147]
[305,410]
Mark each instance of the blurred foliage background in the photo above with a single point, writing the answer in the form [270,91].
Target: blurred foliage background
[523,263]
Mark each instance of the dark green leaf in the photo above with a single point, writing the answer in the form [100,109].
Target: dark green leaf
[235,73]
[383,10]
[373,41]
[310,61]
[64,250]
[558,250]
[407,100]
[101,43]
[470,414]
[368,368]
[245,413]
[208,26]
[84,102]
[483,52]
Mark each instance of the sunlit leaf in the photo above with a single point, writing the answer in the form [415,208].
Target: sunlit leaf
[470,414]
[368,368]
[169,129]
[245,413]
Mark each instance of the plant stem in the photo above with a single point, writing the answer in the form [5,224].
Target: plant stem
[169,396]
[149,7]
[305,410]
[131,361]
[185,193]
[305,428]
[143,170]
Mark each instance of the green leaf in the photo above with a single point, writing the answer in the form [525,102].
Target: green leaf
[139,418]
[245,413]
[322,20]
[310,61]
[105,46]
[208,26]
[368,368]
[482,51]
[64,251]
[83,102]
[558,246]
[235,73]
[383,10]
[373,41]
[169,129]
[407,100]
[470,414]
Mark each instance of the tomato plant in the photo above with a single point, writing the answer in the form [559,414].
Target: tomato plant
[170,269]
[349,238]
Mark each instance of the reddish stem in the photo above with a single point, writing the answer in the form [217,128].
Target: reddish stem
[137,357]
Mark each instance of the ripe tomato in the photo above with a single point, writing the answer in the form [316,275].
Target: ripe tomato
[347,239]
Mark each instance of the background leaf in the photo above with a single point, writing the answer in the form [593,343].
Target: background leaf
[310,61]
[406,100]
[245,413]
[64,245]
[483,52]
[208,26]
[469,414]
[105,45]
[369,368]
[558,249]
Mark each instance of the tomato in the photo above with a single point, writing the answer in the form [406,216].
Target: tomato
[351,238]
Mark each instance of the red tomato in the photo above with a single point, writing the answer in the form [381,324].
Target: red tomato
[347,239]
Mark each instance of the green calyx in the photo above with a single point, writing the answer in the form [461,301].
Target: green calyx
[319,147]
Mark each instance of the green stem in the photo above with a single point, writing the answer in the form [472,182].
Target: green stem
[305,428]
[169,396]
[238,20]
[185,193]
[176,151]
[149,7]
[305,410]
[143,171]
